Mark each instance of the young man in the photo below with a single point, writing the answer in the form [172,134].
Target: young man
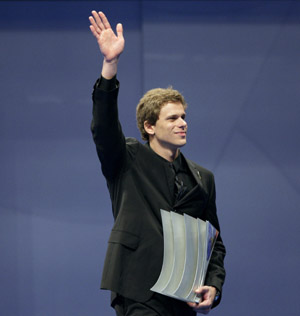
[142,179]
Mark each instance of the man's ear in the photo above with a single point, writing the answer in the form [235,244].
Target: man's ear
[150,129]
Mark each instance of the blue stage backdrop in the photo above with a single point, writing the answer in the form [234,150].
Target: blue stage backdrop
[238,65]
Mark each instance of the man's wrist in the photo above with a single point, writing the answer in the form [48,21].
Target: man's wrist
[217,296]
[109,69]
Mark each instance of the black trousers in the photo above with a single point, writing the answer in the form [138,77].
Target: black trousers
[158,305]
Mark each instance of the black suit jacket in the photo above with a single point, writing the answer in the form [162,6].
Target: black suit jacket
[138,186]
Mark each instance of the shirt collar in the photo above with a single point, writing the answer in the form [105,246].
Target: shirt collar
[177,163]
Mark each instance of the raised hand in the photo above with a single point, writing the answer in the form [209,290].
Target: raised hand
[110,44]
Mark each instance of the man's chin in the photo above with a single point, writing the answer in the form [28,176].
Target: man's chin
[181,144]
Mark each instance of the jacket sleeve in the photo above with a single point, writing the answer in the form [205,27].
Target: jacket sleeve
[107,131]
[215,275]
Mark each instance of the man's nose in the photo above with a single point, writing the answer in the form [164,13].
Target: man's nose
[182,123]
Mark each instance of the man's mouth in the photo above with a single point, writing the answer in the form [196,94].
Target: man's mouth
[181,133]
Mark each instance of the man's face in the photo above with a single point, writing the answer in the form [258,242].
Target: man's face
[169,131]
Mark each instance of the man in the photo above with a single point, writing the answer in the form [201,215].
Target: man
[142,179]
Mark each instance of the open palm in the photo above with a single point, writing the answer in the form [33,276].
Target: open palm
[110,44]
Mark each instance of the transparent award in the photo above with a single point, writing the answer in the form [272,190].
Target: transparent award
[188,245]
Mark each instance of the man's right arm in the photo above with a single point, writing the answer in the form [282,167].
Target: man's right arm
[106,129]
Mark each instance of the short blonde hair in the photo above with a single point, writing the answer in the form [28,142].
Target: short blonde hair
[149,106]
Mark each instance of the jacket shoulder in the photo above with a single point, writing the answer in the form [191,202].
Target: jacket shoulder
[203,171]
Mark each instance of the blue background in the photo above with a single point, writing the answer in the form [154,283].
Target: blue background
[238,65]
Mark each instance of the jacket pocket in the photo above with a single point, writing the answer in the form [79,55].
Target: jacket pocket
[124,238]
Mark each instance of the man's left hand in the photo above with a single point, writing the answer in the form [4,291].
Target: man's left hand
[207,294]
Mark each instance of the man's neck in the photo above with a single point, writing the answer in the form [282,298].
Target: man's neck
[166,153]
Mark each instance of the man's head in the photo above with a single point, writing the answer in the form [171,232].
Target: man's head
[150,105]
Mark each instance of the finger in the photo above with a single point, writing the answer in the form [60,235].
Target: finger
[104,20]
[201,308]
[94,25]
[191,304]
[202,289]
[94,32]
[202,311]
[202,292]
[98,20]
[119,30]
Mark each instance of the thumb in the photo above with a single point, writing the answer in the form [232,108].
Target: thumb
[119,30]
[202,290]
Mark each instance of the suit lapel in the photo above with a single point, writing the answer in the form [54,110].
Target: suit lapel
[195,172]
[198,190]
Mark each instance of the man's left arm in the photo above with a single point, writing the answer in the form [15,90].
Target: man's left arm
[211,292]
[215,275]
